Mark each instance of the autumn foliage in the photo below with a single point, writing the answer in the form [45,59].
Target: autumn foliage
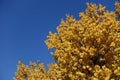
[85,49]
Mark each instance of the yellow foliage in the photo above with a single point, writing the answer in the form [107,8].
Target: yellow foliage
[85,49]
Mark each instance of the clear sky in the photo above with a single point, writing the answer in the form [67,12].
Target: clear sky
[24,25]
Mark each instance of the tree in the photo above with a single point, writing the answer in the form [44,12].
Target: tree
[85,49]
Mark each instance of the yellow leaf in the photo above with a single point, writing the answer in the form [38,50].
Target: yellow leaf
[112,44]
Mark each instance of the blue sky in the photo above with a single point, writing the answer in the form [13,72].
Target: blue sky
[24,25]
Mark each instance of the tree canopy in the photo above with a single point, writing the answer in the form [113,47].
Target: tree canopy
[85,49]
